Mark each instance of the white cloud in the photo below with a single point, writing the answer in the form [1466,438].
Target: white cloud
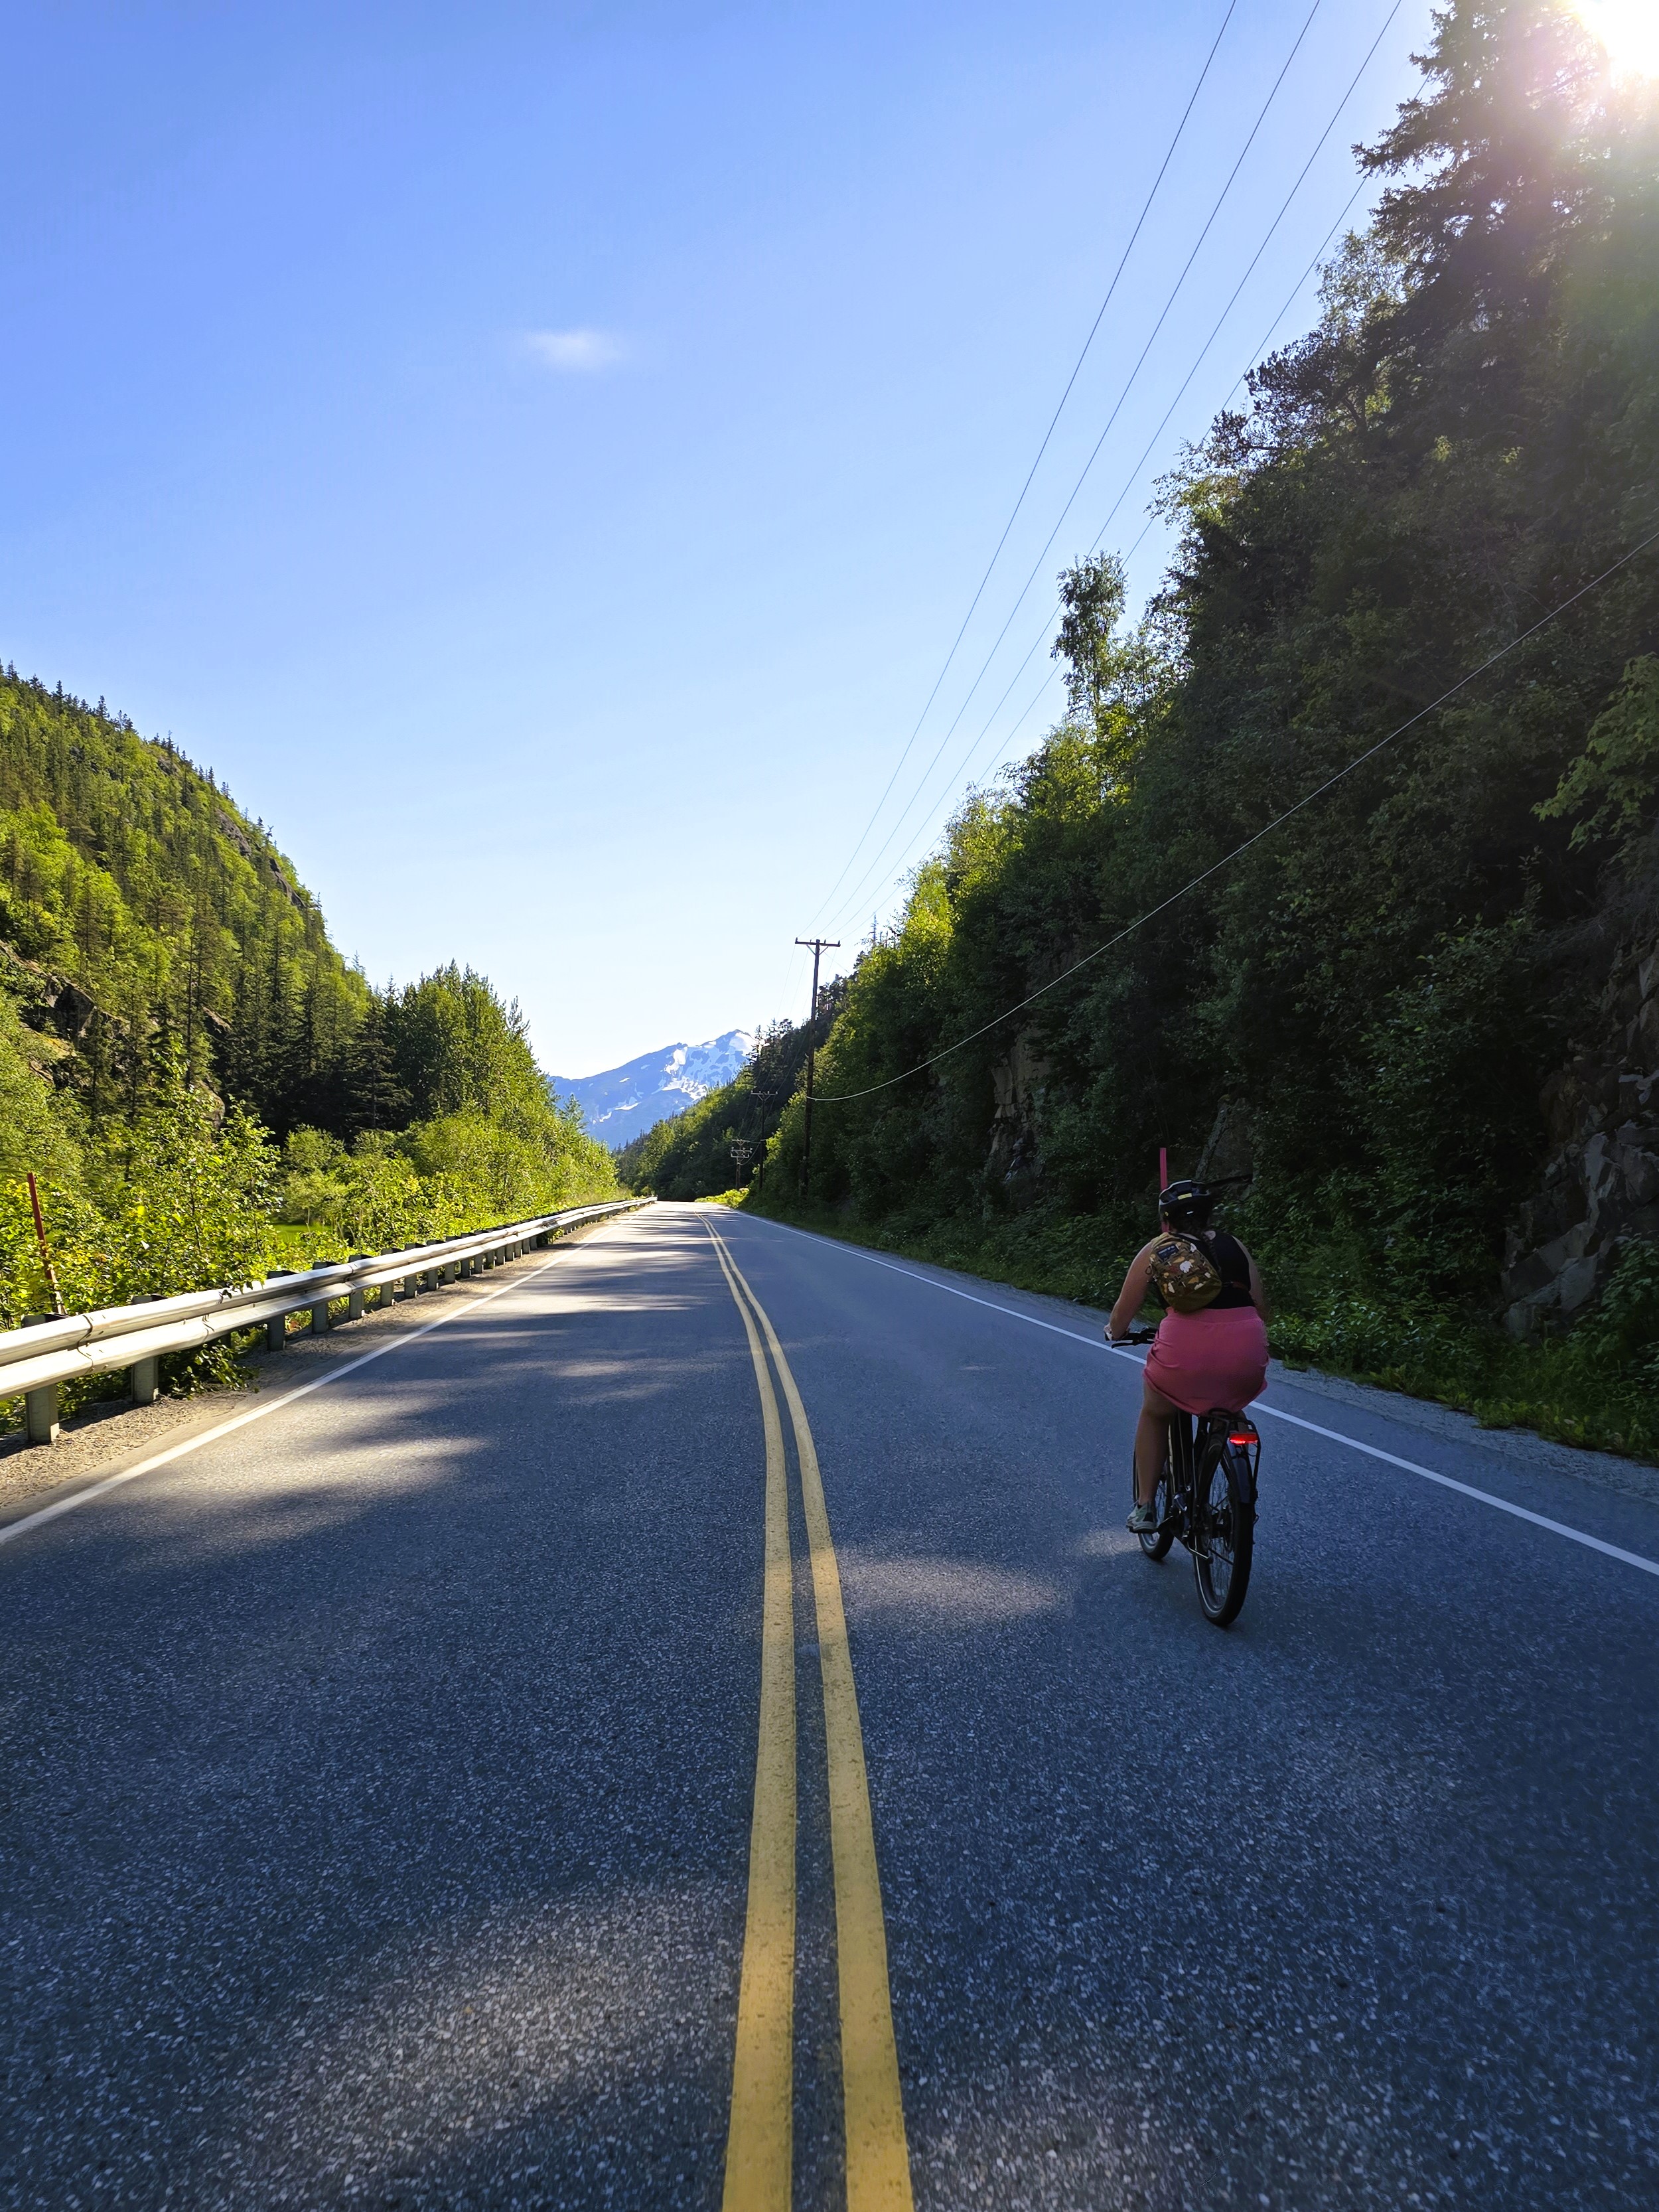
[582,350]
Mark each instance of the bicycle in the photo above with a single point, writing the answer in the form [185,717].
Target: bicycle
[1206,1495]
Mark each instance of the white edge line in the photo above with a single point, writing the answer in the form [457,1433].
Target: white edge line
[1336,1436]
[16,1528]
[1467,1490]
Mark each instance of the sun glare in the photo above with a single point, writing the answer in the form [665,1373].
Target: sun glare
[1629,29]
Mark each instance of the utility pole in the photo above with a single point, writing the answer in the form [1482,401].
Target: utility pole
[817,945]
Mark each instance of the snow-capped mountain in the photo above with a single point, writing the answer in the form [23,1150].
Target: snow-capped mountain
[620,1103]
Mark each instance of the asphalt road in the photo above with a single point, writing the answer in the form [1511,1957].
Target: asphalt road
[380,1781]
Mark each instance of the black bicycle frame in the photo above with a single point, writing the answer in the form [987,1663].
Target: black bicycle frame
[1190,1440]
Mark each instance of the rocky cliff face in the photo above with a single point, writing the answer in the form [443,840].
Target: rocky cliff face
[1015,1156]
[1601,1184]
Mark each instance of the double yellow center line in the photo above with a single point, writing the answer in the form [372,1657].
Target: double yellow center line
[759,2144]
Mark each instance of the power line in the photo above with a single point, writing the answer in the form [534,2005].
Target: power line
[1146,209]
[841,1097]
[1152,442]
[1111,419]
[1267,336]
[1257,353]
[1026,713]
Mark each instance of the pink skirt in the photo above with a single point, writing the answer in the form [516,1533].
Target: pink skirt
[1206,1360]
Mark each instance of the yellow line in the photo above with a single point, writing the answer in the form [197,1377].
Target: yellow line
[760,2140]
[877,2158]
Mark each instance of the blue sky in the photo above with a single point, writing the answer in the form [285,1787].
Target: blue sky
[541,456]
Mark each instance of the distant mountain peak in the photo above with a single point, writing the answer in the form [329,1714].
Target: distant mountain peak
[620,1104]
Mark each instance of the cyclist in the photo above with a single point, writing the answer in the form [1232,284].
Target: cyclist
[1214,1357]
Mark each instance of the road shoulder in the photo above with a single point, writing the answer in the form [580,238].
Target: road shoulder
[1520,1448]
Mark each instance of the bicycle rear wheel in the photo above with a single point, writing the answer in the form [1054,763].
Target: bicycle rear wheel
[1223,1534]
[1157,1544]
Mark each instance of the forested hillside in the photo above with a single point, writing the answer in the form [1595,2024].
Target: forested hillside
[149,907]
[1367,1016]
[197,1080]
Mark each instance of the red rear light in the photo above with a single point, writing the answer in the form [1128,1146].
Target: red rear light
[1243,1437]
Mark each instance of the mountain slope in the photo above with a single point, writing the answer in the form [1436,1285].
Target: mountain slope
[136,901]
[620,1104]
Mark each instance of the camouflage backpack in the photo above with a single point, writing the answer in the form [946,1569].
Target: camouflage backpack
[1184,1275]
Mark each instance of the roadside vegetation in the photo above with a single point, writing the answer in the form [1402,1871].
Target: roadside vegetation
[200,1085]
[691,1156]
[1378,990]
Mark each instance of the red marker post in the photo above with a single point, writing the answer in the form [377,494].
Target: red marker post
[1164,1167]
[46,1249]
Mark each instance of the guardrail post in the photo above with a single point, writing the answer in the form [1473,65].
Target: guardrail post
[277,1329]
[40,1414]
[319,1318]
[354,1305]
[144,1375]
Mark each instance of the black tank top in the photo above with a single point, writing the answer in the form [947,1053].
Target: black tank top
[1232,1266]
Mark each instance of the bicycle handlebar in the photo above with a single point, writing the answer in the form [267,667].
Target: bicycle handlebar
[1134,1336]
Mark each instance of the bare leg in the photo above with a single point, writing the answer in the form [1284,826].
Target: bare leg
[1152,1437]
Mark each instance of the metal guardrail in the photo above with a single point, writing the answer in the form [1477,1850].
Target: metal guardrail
[35,1359]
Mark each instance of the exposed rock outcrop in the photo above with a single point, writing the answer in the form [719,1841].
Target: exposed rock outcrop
[1601,1187]
[1015,1157]
[1229,1154]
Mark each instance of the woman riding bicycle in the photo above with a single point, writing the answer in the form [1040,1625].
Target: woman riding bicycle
[1213,1355]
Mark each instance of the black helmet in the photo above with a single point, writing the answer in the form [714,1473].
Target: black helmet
[1187,1205]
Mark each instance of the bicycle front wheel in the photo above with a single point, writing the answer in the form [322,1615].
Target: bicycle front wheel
[1224,1538]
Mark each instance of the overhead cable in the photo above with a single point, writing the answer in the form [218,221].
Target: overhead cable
[1151,442]
[1146,209]
[1094,455]
[840,1098]
[1261,350]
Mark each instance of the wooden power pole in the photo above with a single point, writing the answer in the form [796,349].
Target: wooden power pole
[817,945]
